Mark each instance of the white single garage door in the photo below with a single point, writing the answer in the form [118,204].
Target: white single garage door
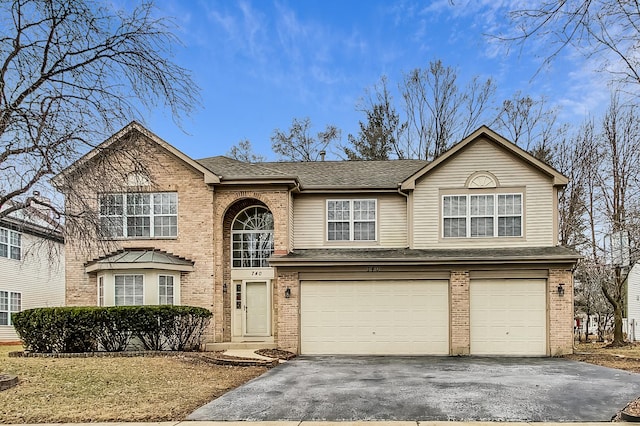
[508,317]
[375,317]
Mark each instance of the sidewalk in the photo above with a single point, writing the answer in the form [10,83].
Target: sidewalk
[347,423]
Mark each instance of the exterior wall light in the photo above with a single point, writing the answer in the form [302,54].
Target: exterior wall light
[224,287]
[287,293]
[561,289]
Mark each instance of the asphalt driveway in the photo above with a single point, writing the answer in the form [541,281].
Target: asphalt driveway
[428,388]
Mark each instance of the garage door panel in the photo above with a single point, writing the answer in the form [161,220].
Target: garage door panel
[508,317]
[374,317]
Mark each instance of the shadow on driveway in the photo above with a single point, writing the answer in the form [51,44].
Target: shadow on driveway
[428,388]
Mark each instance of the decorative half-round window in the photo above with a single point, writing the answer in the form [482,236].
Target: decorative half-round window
[482,180]
[252,238]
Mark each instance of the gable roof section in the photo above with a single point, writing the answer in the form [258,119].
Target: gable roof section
[558,178]
[34,221]
[320,175]
[134,126]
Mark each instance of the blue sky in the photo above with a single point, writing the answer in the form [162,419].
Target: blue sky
[262,63]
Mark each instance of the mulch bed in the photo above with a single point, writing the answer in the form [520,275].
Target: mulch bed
[276,353]
[219,358]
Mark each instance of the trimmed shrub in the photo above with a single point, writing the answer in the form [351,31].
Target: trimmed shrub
[57,329]
[88,329]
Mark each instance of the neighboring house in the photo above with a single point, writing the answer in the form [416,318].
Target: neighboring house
[454,257]
[632,323]
[31,265]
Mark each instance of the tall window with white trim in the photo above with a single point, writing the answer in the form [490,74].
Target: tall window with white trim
[252,238]
[454,213]
[509,215]
[165,289]
[101,291]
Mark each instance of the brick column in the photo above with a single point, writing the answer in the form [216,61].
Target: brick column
[459,315]
[560,312]
[287,310]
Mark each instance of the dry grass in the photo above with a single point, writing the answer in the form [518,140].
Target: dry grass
[54,390]
[623,358]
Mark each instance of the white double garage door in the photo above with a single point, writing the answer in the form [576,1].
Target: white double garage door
[411,317]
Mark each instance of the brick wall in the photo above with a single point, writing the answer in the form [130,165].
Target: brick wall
[228,202]
[287,310]
[560,312]
[459,314]
[195,216]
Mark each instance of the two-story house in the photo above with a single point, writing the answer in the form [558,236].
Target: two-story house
[453,257]
[31,264]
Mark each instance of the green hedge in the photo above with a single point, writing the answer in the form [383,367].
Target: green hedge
[88,329]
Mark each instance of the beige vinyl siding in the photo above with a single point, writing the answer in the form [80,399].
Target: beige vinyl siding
[309,217]
[538,214]
[39,279]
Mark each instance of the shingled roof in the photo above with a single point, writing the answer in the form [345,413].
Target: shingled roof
[320,174]
[544,255]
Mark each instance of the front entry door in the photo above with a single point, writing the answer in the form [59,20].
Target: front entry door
[256,314]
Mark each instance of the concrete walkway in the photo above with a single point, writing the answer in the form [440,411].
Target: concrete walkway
[246,353]
[313,423]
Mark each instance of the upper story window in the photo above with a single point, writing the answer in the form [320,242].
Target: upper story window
[144,215]
[10,244]
[483,215]
[351,220]
[10,302]
[252,235]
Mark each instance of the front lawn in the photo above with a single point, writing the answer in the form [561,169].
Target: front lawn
[623,358]
[56,390]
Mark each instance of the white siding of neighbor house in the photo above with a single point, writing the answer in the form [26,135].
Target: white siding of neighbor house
[633,301]
[39,277]
[309,221]
[510,172]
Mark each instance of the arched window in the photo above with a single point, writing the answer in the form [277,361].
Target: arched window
[252,238]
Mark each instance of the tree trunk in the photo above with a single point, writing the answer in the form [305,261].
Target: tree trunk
[618,337]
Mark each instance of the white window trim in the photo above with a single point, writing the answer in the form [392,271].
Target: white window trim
[465,216]
[125,275]
[10,311]
[351,221]
[173,288]
[246,232]
[151,215]
[100,280]
[9,245]
[495,215]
